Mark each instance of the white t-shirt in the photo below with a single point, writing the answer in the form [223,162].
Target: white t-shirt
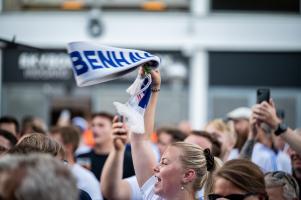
[284,162]
[135,190]
[86,181]
[147,190]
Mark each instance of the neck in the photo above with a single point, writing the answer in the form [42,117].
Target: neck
[225,154]
[70,158]
[182,194]
[104,148]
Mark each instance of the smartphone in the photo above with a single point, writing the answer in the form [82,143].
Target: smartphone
[263,94]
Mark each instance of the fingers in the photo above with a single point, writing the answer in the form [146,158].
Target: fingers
[155,72]
[141,70]
[122,138]
[272,103]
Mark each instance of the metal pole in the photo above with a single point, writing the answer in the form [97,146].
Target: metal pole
[198,89]
[200,8]
[1,96]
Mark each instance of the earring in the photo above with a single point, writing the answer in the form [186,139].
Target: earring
[182,187]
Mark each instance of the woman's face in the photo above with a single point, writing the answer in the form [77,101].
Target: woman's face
[222,137]
[169,173]
[224,187]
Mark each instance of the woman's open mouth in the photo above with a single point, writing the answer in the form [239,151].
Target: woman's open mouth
[158,179]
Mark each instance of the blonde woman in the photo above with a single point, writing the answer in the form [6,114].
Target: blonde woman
[219,129]
[184,168]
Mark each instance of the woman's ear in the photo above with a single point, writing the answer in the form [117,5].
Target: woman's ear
[189,176]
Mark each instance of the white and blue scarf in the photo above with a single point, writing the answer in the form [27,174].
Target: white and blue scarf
[93,64]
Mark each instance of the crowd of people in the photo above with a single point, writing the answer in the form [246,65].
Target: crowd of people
[250,154]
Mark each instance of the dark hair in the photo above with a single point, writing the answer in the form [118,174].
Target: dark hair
[244,174]
[176,134]
[216,145]
[69,135]
[3,150]
[106,115]
[29,124]
[10,119]
[9,136]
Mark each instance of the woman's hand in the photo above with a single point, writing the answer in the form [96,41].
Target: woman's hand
[156,78]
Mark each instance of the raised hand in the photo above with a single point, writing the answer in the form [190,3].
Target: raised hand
[120,134]
[266,112]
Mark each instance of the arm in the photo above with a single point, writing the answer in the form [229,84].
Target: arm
[143,157]
[293,139]
[112,185]
[266,112]
[247,149]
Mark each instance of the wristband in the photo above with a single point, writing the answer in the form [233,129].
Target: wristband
[281,128]
[155,89]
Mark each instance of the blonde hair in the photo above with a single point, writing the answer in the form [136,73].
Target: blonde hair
[221,126]
[194,157]
[37,142]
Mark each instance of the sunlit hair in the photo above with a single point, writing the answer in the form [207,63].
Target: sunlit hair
[193,157]
[286,181]
[244,174]
[221,126]
[35,176]
[37,143]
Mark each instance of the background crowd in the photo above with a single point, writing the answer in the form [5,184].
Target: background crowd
[249,154]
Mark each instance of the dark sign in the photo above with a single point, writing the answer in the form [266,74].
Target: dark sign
[27,66]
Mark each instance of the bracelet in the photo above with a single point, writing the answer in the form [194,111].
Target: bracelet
[155,89]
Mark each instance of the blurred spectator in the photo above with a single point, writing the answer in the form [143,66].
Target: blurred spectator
[7,139]
[281,186]
[296,163]
[240,117]
[205,140]
[166,136]
[239,179]
[69,137]
[258,148]
[95,159]
[10,124]
[35,176]
[219,129]
[82,124]
[266,112]
[38,143]
[32,124]
[185,127]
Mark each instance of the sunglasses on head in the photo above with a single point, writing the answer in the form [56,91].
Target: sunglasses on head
[282,175]
[230,196]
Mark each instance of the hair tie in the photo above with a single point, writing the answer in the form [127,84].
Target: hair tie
[209,159]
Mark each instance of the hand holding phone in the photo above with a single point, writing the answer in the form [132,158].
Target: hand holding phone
[120,133]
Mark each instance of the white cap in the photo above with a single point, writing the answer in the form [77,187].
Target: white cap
[240,113]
